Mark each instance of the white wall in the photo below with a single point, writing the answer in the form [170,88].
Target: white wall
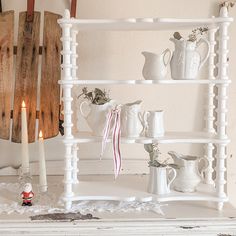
[117,55]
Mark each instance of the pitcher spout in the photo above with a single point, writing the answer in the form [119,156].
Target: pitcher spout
[173,40]
[177,158]
[148,54]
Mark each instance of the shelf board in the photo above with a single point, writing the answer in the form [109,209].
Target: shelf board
[130,82]
[134,188]
[170,137]
[147,24]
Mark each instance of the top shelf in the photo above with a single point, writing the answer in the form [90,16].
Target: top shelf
[147,24]
[164,81]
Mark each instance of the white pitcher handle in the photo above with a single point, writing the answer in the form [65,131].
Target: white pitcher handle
[81,108]
[143,119]
[202,40]
[168,58]
[206,162]
[173,178]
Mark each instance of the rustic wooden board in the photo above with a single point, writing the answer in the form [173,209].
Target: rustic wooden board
[26,75]
[6,71]
[51,73]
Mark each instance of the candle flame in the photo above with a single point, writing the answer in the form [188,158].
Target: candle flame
[40,134]
[23,104]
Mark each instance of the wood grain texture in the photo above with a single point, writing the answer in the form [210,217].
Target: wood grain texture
[6,71]
[26,75]
[51,73]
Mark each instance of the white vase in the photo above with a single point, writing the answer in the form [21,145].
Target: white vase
[155,66]
[96,116]
[186,61]
[160,179]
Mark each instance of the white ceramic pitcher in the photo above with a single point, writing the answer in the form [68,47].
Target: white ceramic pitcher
[188,174]
[155,66]
[96,116]
[186,61]
[131,119]
[160,179]
[153,123]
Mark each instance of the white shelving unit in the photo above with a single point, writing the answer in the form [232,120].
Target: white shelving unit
[212,189]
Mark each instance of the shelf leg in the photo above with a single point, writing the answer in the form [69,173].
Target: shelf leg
[209,109]
[220,170]
[67,100]
[74,55]
[74,164]
[68,205]
[221,108]
[220,206]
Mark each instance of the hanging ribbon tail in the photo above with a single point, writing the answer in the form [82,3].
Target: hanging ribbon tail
[116,132]
[106,132]
[116,143]
[118,154]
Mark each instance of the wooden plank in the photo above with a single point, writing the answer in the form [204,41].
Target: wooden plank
[51,73]
[40,50]
[26,75]
[6,71]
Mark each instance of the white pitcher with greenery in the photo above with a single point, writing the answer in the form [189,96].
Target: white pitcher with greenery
[186,61]
[161,174]
[95,109]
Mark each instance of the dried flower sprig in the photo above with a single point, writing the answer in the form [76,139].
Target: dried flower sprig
[228,4]
[96,96]
[197,32]
[154,154]
[194,36]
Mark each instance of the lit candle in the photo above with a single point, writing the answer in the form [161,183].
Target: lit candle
[42,166]
[24,141]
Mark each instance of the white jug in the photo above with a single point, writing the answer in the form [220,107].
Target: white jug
[131,119]
[155,66]
[160,180]
[96,116]
[186,60]
[188,174]
[153,123]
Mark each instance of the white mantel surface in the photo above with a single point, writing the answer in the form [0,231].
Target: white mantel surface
[184,218]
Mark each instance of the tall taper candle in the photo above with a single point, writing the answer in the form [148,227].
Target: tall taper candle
[42,166]
[24,141]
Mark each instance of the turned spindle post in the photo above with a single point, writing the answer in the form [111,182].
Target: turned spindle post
[221,108]
[67,100]
[209,112]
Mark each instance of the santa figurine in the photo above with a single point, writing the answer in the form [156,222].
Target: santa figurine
[27,195]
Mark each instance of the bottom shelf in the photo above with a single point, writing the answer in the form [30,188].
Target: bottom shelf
[134,188]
